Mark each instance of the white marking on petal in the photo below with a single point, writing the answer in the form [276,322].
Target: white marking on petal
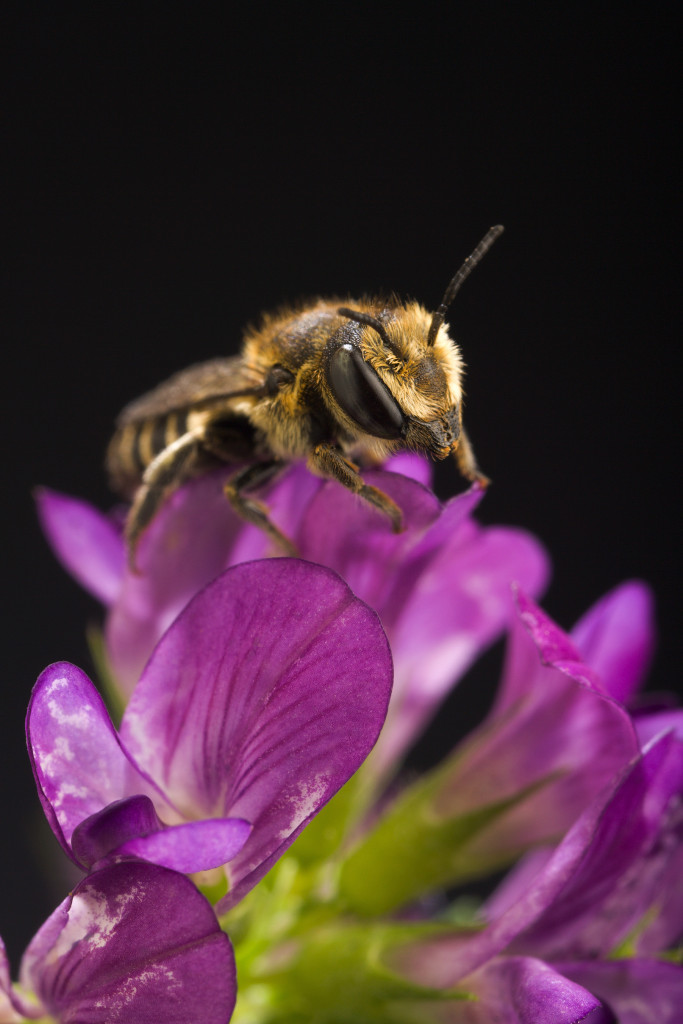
[92,919]
[117,1006]
[307,802]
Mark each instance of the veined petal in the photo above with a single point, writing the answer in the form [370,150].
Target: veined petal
[87,543]
[260,701]
[616,637]
[133,942]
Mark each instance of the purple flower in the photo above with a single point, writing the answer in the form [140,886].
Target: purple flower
[257,705]
[441,588]
[133,942]
[607,886]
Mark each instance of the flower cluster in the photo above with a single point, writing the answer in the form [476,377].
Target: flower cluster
[252,850]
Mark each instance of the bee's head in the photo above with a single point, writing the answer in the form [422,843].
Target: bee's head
[390,384]
[396,374]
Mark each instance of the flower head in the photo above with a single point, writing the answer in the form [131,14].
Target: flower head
[246,721]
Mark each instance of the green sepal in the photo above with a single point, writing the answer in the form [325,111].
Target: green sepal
[415,848]
[338,975]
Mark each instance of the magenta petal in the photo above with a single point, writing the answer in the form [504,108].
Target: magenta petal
[106,831]
[616,637]
[196,846]
[412,465]
[552,732]
[132,828]
[637,991]
[88,544]
[77,760]
[550,645]
[260,701]
[452,610]
[356,540]
[522,990]
[133,942]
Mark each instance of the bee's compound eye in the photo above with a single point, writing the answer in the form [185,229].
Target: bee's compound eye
[363,395]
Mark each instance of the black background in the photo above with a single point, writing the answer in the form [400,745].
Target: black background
[171,175]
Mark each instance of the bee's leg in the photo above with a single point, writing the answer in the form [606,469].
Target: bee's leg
[162,476]
[467,463]
[327,461]
[252,510]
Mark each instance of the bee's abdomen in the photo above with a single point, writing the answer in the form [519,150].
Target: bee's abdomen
[135,445]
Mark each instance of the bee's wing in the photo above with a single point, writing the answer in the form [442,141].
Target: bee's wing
[197,385]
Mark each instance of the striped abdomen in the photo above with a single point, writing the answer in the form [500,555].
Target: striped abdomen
[136,444]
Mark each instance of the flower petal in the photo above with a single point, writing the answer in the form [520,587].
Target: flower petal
[107,830]
[636,991]
[650,724]
[133,942]
[195,846]
[88,544]
[522,990]
[260,701]
[412,465]
[616,637]
[552,722]
[77,759]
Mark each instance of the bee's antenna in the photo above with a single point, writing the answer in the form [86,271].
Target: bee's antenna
[464,272]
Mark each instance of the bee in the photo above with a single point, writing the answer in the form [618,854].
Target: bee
[335,384]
